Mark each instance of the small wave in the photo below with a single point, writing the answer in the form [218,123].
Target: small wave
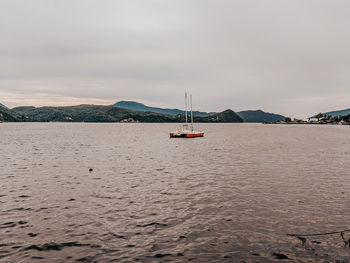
[152,224]
[55,246]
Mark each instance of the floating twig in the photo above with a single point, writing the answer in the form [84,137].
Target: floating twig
[302,238]
[318,234]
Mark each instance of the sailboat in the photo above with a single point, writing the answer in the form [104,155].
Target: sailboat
[187,131]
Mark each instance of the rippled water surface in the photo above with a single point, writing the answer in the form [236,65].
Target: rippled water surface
[231,196]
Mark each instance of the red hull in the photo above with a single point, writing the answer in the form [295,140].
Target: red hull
[186,135]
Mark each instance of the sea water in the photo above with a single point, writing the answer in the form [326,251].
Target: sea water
[79,192]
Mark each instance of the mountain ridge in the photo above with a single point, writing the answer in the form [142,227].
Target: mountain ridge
[3,106]
[7,115]
[246,116]
[137,106]
[260,116]
[100,113]
[335,113]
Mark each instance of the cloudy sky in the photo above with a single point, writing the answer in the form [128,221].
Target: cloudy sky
[285,56]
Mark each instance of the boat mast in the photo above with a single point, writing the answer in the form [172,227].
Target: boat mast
[186,106]
[191,113]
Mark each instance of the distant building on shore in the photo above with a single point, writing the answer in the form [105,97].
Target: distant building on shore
[129,120]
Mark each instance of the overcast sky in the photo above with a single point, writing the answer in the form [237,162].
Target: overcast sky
[290,57]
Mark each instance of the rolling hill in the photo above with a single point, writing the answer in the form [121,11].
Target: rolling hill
[3,106]
[259,116]
[136,106]
[247,116]
[7,115]
[97,113]
[338,113]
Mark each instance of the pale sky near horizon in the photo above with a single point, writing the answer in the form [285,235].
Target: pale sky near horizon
[289,57]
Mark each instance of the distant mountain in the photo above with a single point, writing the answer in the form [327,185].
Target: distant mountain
[124,110]
[96,113]
[338,113]
[3,106]
[259,116]
[225,116]
[7,115]
[136,106]
[81,113]
[247,116]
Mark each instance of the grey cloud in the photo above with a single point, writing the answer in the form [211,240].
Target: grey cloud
[290,57]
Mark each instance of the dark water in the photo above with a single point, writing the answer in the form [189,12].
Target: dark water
[231,196]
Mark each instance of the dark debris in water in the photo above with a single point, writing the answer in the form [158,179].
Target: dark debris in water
[24,196]
[302,238]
